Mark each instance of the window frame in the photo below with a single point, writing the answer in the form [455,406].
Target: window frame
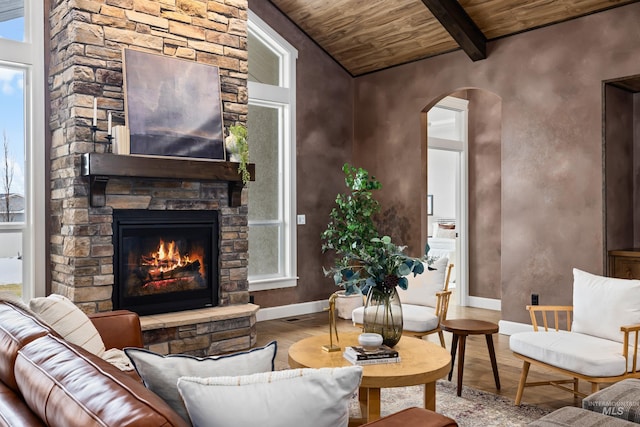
[28,56]
[282,97]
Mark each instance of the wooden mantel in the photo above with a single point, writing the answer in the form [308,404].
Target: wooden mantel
[99,167]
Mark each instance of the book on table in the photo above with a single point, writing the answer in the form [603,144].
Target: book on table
[359,355]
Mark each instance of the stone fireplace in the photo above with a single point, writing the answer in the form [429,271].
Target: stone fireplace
[165,261]
[89,184]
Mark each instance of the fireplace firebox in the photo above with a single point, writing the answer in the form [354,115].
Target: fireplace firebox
[165,261]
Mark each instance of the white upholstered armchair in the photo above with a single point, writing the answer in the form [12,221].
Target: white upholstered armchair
[600,343]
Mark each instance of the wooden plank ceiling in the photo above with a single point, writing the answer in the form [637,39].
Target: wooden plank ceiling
[369,35]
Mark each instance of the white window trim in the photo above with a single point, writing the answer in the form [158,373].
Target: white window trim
[29,56]
[283,96]
[282,48]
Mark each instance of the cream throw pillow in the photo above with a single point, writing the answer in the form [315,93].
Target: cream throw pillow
[69,321]
[295,397]
[602,304]
[423,287]
[74,326]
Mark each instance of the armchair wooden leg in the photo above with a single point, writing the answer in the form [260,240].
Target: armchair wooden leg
[595,387]
[523,381]
[441,335]
[576,387]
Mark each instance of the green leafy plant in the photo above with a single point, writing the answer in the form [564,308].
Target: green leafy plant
[351,227]
[238,147]
[383,264]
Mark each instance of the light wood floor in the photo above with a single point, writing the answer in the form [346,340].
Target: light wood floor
[477,368]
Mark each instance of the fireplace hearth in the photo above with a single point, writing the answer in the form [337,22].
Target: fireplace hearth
[165,261]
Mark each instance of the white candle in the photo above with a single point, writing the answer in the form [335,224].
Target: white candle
[95,111]
[109,123]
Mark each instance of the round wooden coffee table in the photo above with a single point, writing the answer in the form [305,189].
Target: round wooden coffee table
[421,362]
[461,328]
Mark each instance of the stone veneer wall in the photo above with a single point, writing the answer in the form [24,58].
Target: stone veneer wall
[201,332]
[87,38]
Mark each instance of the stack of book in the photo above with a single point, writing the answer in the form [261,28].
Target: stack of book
[359,355]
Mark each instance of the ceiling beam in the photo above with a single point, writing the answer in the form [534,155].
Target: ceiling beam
[464,31]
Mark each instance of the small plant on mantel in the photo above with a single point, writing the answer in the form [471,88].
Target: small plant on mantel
[238,147]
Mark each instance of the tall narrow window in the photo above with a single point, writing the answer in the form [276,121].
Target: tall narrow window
[12,191]
[271,130]
[22,241]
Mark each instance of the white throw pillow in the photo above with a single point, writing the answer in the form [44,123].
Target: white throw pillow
[436,227]
[296,397]
[69,321]
[160,373]
[446,233]
[423,287]
[602,304]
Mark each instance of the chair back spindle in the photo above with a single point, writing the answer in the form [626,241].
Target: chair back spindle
[545,310]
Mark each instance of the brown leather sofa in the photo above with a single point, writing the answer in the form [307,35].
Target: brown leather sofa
[45,380]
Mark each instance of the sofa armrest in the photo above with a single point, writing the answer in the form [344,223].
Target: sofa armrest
[442,304]
[627,342]
[630,328]
[118,329]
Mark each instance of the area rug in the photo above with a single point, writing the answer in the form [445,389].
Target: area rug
[473,408]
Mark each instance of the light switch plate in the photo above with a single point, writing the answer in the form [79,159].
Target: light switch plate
[302,219]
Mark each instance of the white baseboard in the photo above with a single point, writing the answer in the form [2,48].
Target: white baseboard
[271,313]
[487,303]
[508,327]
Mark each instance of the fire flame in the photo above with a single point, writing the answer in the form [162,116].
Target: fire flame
[168,258]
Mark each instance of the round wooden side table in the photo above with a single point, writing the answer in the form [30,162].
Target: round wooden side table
[421,362]
[461,328]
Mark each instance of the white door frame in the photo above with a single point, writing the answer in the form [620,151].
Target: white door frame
[461,263]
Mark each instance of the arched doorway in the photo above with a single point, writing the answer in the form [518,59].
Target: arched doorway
[478,199]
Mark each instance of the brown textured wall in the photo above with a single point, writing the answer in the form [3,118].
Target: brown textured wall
[485,185]
[324,133]
[389,144]
[550,83]
[618,131]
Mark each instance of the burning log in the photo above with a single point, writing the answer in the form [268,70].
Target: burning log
[166,271]
[189,269]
